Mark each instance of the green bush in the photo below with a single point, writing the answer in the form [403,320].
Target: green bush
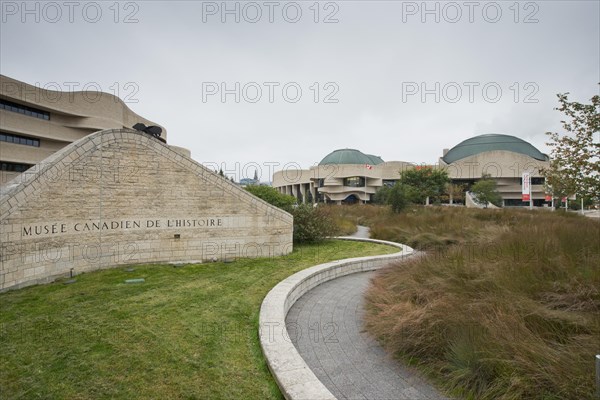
[398,197]
[344,224]
[311,224]
[382,195]
[272,196]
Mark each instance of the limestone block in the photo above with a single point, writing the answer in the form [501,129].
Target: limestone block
[118,197]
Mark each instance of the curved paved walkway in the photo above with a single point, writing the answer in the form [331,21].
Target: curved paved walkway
[361,232]
[326,327]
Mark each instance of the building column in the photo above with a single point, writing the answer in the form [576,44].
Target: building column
[303,192]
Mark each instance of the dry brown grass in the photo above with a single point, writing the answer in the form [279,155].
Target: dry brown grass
[505,305]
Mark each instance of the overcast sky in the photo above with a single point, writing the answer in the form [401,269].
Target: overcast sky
[401,80]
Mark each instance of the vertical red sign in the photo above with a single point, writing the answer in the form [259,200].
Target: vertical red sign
[526,187]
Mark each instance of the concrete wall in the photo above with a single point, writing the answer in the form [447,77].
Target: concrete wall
[120,197]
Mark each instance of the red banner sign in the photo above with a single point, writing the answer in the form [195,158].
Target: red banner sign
[526,188]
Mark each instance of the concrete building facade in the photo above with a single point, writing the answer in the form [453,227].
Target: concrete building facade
[343,176]
[35,123]
[350,176]
[505,158]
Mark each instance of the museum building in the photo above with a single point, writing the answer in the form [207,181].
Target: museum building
[344,176]
[35,123]
[350,176]
[505,158]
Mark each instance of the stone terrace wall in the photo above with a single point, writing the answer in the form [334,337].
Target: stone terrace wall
[122,197]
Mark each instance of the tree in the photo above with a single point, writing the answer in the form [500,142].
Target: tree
[575,155]
[381,195]
[272,196]
[424,182]
[485,192]
[398,198]
[395,196]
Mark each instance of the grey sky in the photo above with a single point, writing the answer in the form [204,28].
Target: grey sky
[372,61]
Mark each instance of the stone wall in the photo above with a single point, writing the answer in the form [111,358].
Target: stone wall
[121,197]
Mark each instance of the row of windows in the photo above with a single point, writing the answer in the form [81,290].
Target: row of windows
[520,203]
[29,111]
[10,138]
[14,167]
[534,181]
[355,181]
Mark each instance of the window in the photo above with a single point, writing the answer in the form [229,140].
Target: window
[29,111]
[537,181]
[355,181]
[10,138]
[14,167]
[389,182]
[534,181]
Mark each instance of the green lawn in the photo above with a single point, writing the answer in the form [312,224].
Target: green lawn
[188,332]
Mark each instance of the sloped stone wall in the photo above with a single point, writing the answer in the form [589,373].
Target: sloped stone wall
[122,197]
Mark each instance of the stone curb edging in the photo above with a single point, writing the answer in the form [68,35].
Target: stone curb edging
[295,379]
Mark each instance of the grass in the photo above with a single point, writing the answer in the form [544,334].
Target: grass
[344,225]
[188,332]
[504,305]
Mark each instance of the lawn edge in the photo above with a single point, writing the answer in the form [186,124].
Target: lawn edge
[293,376]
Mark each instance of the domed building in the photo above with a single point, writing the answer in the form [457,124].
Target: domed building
[351,176]
[350,156]
[504,158]
[342,176]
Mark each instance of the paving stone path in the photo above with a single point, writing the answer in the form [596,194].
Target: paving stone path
[326,327]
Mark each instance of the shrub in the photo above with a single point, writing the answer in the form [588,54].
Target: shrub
[272,196]
[312,224]
[398,198]
[382,195]
[344,225]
